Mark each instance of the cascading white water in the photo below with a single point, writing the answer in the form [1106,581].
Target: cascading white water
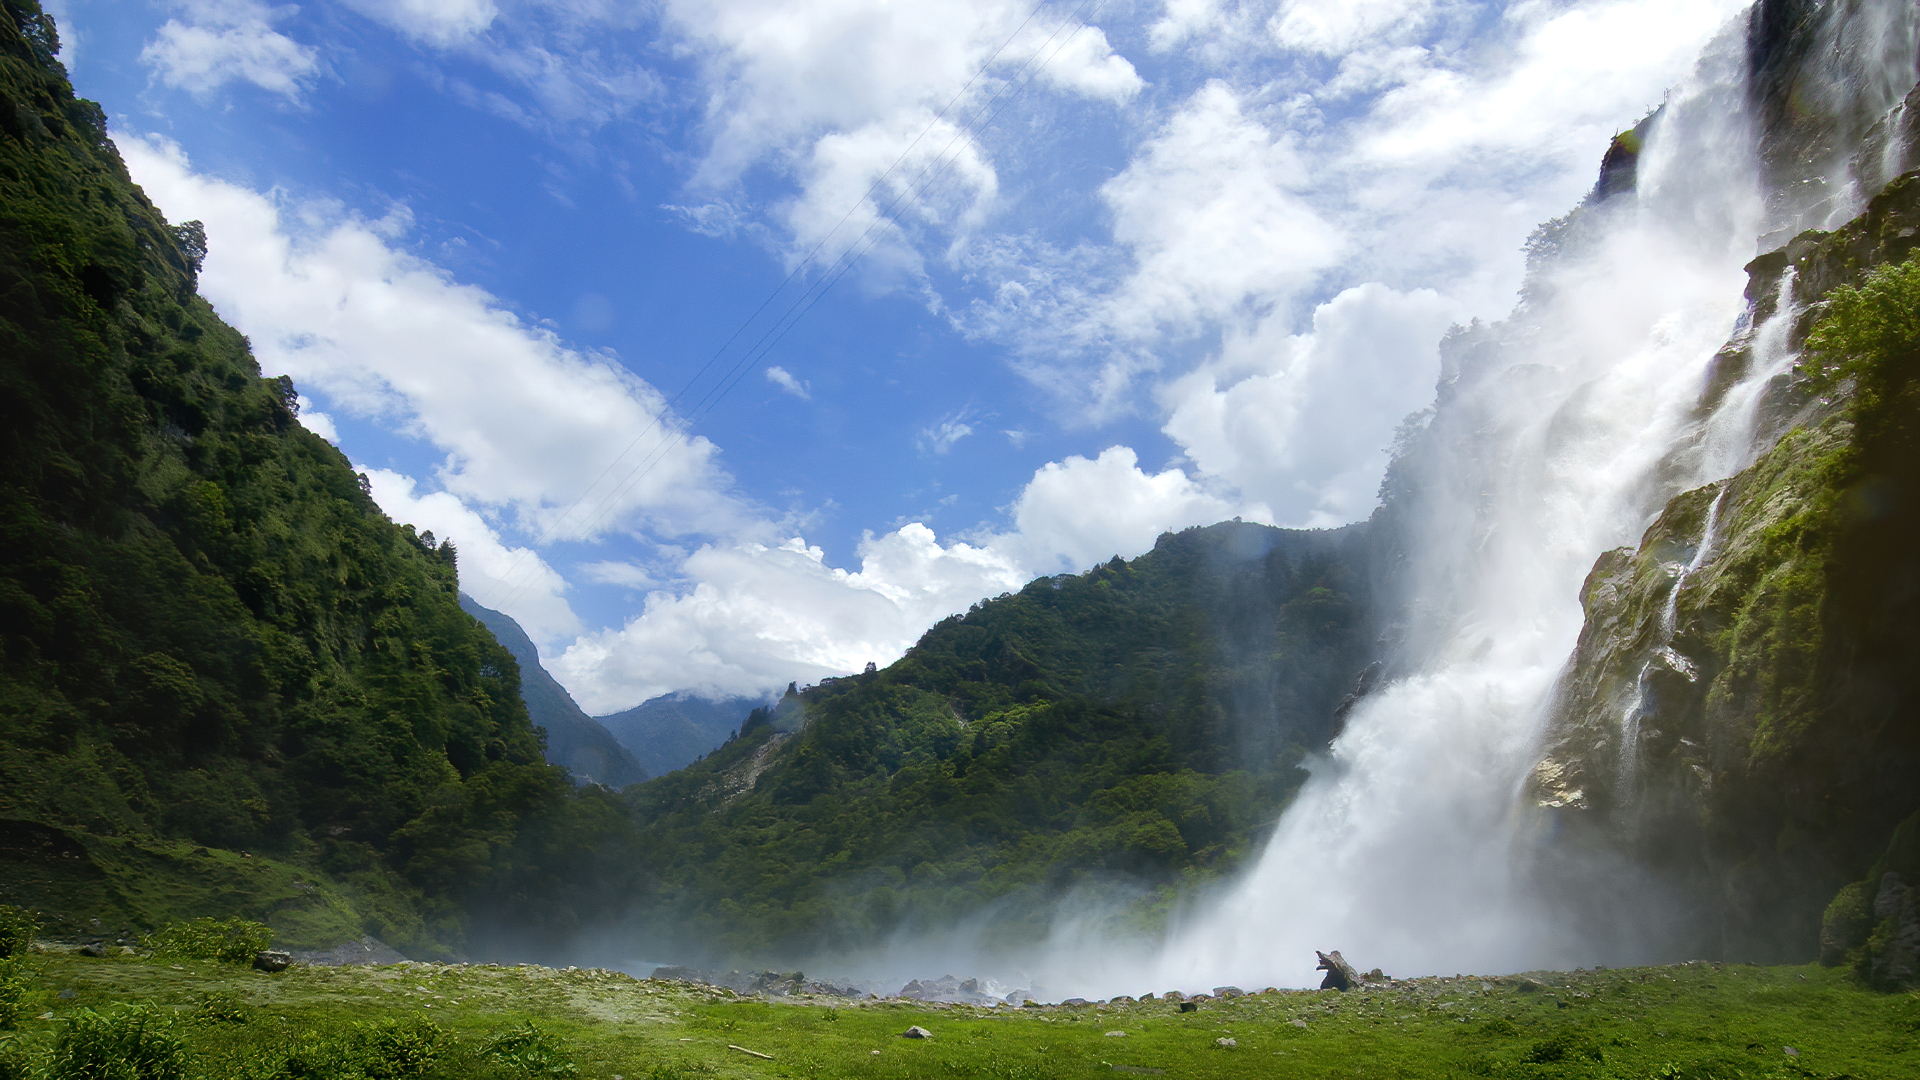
[1401,848]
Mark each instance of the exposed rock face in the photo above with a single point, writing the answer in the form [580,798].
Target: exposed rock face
[1893,961]
[1739,717]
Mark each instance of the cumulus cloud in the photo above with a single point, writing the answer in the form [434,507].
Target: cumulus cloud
[760,615]
[330,299]
[220,41]
[1301,421]
[1082,511]
[515,580]
[763,615]
[834,92]
[1209,209]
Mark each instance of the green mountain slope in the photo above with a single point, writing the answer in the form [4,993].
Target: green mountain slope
[208,631]
[575,741]
[1130,727]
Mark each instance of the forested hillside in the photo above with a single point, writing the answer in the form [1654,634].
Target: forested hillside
[209,634]
[1131,727]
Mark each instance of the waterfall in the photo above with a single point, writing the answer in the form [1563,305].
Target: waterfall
[1559,434]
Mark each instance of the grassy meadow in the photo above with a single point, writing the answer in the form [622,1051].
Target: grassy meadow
[193,1018]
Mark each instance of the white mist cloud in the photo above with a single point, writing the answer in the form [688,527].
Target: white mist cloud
[222,41]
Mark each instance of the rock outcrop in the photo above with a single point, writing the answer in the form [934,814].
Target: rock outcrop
[1738,721]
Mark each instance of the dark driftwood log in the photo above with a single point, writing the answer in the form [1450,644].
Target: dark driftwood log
[1340,974]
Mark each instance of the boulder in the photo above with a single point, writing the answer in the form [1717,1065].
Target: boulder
[1340,974]
[916,1032]
[272,960]
[1894,947]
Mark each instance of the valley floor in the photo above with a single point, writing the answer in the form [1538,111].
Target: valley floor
[1695,1020]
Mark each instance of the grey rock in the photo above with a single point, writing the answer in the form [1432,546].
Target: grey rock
[272,960]
[916,1032]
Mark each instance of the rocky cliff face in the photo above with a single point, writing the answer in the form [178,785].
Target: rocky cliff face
[1739,717]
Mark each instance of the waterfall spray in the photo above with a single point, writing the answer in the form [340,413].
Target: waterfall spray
[1559,434]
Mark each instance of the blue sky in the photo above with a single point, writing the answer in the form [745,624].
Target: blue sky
[1122,267]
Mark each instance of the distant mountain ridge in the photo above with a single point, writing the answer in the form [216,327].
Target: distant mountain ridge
[574,740]
[673,731]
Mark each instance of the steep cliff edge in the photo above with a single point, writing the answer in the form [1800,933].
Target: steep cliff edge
[1739,718]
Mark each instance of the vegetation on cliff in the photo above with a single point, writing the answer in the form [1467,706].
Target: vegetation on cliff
[1747,731]
[209,634]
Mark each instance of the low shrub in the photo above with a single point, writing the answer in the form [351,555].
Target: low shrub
[529,1051]
[127,1042]
[14,993]
[17,928]
[391,1050]
[234,941]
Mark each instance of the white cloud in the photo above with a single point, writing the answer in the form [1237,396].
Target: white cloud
[940,437]
[834,92]
[318,422]
[515,580]
[784,379]
[761,616]
[227,40]
[1300,422]
[625,575]
[1335,27]
[432,22]
[1086,64]
[1209,210]
[1081,511]
[329,299]
[758,616]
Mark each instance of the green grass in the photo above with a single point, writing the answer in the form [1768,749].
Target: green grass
[1688,1021]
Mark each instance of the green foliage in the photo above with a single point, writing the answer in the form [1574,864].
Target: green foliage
[529,1051]
[126,1042]
[208,630]
[17,928]
[234,940]
[1870,333]
[387,1050]
[1121,731]
[16,993]
[1845,924]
